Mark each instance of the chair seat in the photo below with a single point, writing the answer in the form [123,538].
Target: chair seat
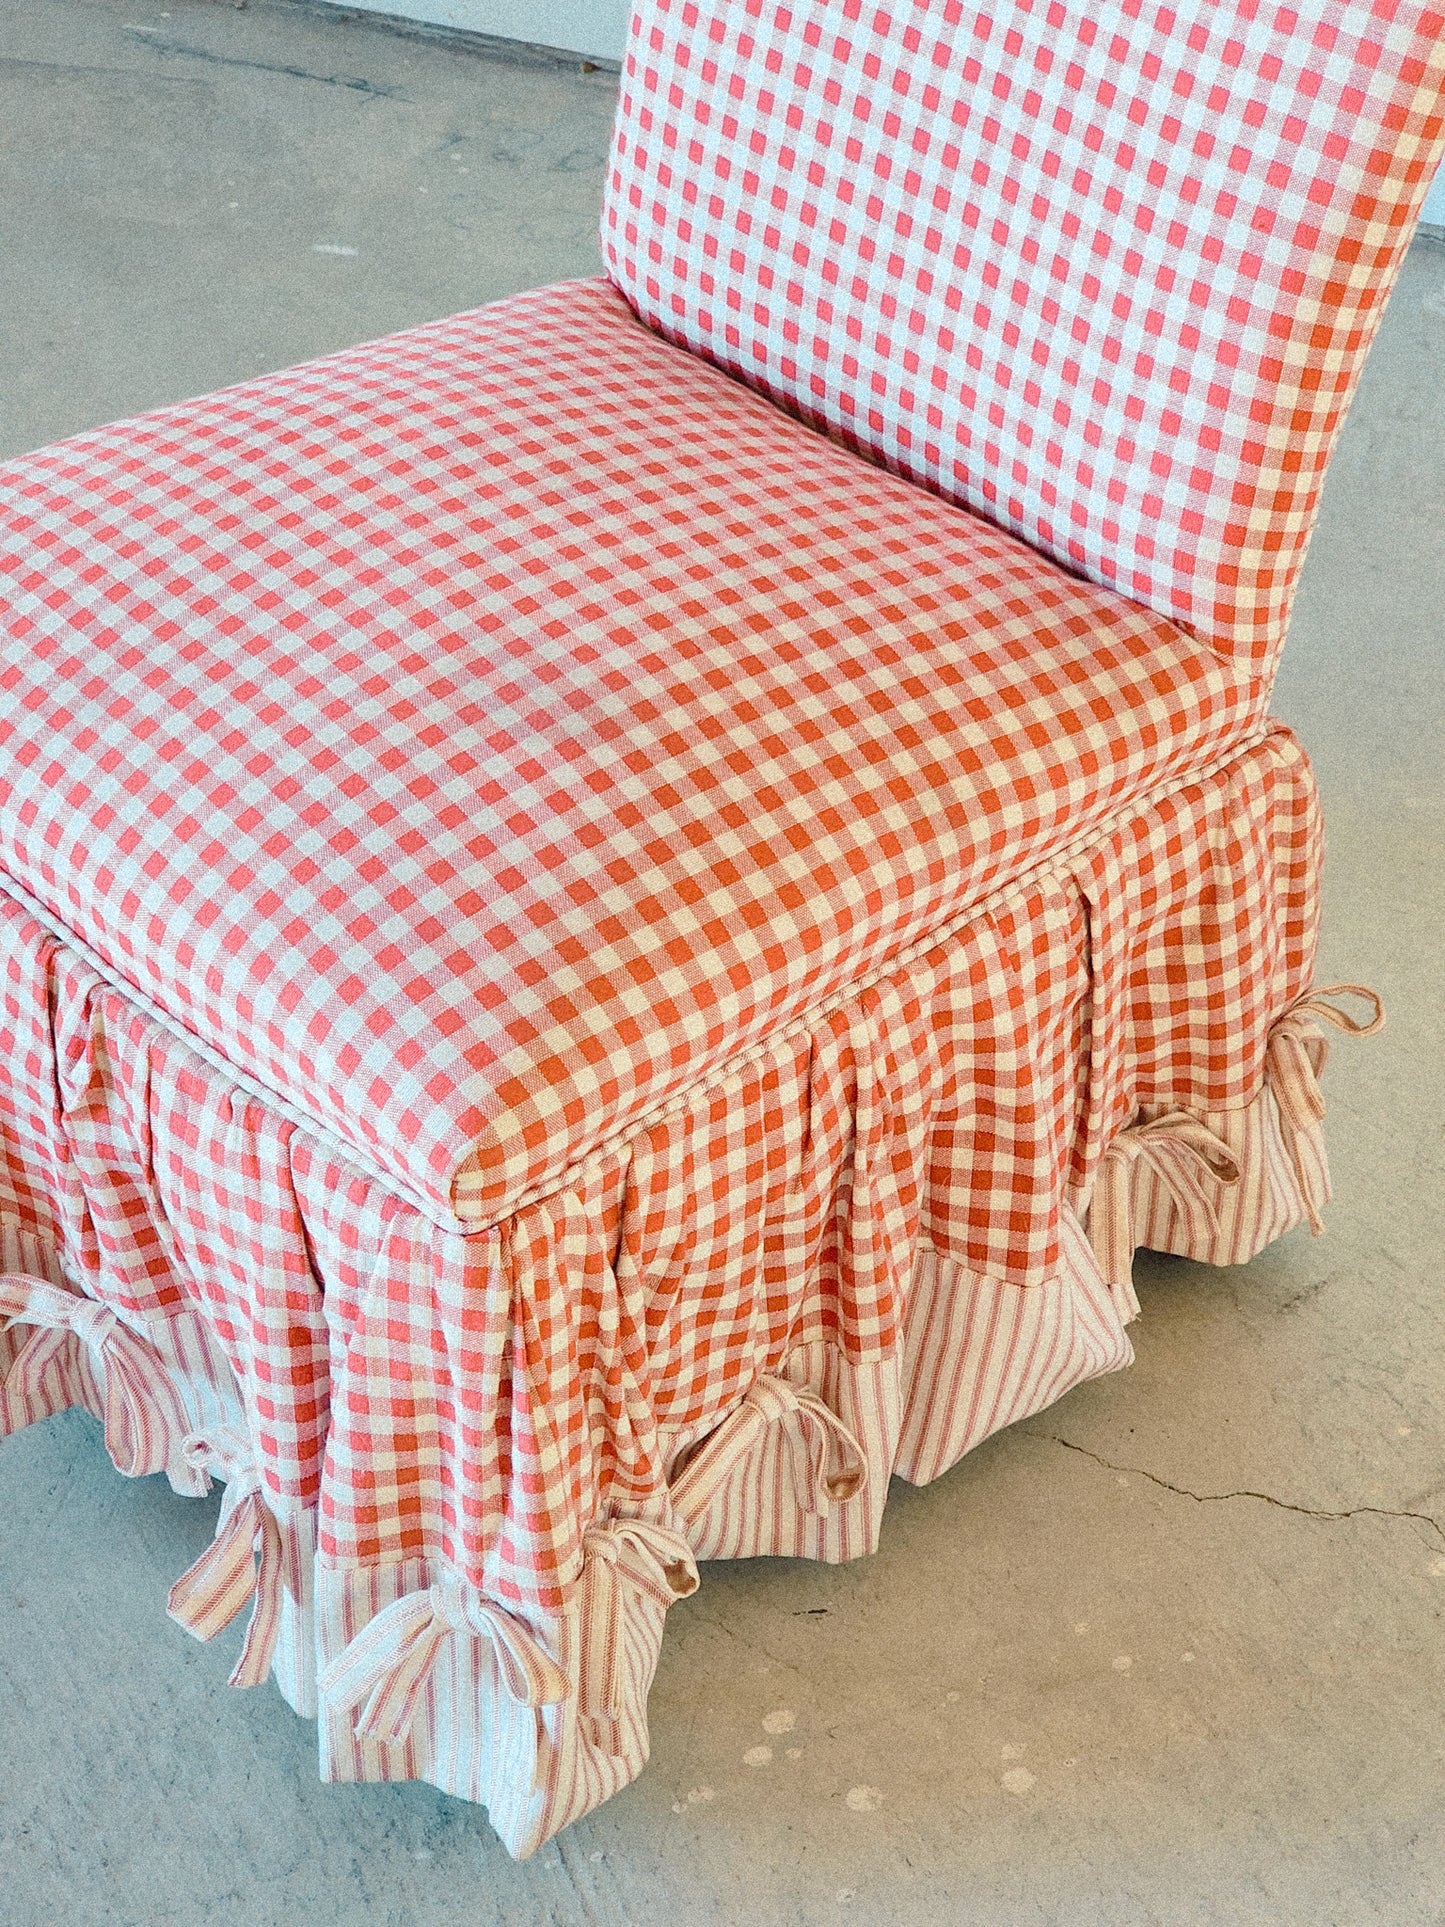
[477,739]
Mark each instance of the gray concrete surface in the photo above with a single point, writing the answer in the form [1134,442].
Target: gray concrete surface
[1172,1652]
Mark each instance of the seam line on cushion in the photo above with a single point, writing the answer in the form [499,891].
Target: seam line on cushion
[743,1060]
[396,1185]
[325,1136]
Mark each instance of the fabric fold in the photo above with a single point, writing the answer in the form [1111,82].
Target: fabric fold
[855,1254]
[243,1563]
[382,1673]
[828,1464]
[626,1559]
[983,1353]
[1182,1154]
[142,1414]
[1295,1060]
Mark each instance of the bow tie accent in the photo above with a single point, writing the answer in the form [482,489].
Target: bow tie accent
[623,1556]
[143,1419]
[208,1596]
[1184,1155]
[385,1667]
[1295,1057]
[812,1437]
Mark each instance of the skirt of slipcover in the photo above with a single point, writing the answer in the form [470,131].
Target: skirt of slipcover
[468,1471]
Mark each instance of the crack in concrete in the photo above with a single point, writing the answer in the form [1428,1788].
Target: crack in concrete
[146,38]
[1265,1498]
[697,1618]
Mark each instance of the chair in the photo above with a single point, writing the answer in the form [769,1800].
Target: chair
[619,911]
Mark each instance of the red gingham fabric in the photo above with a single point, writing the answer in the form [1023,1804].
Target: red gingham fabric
[1106,273]
[785,1206]
[584,972]
[858,1251]
[479,1398]
[474,741]
[160,1191]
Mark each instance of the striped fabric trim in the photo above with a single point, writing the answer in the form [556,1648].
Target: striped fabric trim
[782,1472]
[382,1672]
[477,1402]
[68,1379]
[811,1481]
[535,1768]
[218,1444]
[1277,1145]
[1182,1156]
[625,1559]
[293,1664]
[982,1354]
[978,1355]
[1296,1058]
[540,1719]
[860,1260]
[781,1457]
[141,1413]
[243,1565]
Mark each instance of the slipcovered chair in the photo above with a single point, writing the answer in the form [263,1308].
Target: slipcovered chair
[619,911]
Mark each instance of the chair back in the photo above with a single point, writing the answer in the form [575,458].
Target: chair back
[1105,273]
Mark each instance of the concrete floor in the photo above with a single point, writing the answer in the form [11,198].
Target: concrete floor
[1170,1653]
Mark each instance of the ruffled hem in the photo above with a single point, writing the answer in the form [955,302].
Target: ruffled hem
[467,1474]
[413,1673]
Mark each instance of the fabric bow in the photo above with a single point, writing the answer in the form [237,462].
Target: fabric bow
[142,1414]
[1184,1155]
[810,1441]
[1294,1058]
[208,1596]
[622,1556]
[385,1667]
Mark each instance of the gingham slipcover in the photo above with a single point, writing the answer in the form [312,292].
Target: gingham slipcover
[588,972]
[476,739]
[1107,273]
[858,1253]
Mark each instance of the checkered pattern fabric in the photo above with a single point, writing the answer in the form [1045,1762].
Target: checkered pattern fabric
[577,956]
[476,741]
[479,1398]
[857,1252]
[161,1192]
[1106,273]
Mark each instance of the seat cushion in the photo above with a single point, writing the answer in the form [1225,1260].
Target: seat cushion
[1106,273]
[475,740]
